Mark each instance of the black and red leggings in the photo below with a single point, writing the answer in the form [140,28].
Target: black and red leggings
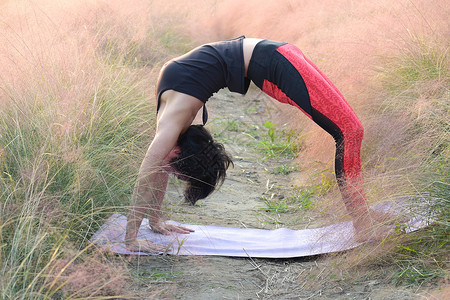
[284,73]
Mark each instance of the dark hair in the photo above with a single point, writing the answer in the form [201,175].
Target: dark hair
[202,163]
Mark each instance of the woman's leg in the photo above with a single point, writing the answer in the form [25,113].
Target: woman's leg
[284,73]
[330,111]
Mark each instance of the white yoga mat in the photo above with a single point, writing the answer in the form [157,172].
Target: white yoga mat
[241,242]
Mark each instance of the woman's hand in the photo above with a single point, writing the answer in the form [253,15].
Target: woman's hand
[145,246]
[166,229]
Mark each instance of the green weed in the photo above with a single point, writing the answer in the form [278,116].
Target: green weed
[422,256]
[234,125]
[302,198]
[284,169]
[299,199]
[156,275]
[222,127]
[324,182]
[277,144]
[276,206]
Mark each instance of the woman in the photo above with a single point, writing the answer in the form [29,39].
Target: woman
[187,82]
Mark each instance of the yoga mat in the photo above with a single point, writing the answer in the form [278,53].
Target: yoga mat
[241,242]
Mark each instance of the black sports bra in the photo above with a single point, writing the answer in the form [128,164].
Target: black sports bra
[205,70]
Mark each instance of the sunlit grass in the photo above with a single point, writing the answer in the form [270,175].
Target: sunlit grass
[416,87]
[73,131]
[77,113]
[58,186]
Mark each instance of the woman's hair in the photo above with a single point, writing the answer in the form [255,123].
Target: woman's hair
[202,163]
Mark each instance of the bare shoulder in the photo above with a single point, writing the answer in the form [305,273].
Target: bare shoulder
[178,108]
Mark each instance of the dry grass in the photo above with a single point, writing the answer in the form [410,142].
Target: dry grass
[76,96]
[76,117]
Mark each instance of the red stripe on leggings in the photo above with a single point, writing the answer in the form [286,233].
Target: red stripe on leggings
[273,91]
[327,99]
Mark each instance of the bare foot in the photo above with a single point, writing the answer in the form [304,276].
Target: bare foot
[146,246]
[386,218]
[373,233]
[373,225]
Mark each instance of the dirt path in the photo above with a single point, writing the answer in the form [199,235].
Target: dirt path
[240,203]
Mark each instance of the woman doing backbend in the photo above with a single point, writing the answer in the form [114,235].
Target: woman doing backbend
[189,151]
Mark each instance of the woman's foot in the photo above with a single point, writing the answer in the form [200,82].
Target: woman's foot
[387,218]
[373,225]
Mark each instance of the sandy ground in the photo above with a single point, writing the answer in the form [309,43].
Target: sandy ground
[240,203]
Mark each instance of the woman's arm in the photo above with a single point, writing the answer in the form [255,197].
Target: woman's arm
[176,114]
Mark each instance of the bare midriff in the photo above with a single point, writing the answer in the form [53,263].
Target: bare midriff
[249,45]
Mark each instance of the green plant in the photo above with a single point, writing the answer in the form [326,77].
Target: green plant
[275,145]
[65,165]
[415,82]
[223,129]
[276,205]
[325,182]
[156,275]
[302,198]
[422,256]
[234,125]
[284,169]
[271,130]
[56,187]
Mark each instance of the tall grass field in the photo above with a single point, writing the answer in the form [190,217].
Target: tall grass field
[77,112]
